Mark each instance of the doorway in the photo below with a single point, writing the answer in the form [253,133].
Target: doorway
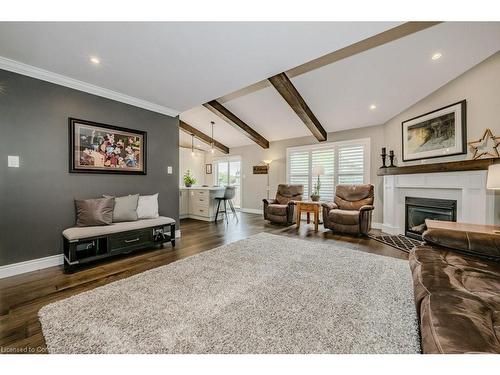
[228,172]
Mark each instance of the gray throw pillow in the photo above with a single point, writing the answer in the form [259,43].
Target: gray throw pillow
[125,208]
[90,212]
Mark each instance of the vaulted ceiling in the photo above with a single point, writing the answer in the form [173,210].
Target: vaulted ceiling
[176,67]
[392,77]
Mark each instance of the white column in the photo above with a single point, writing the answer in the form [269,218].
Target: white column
[390,206]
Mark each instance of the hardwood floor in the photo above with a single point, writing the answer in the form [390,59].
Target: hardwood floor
[22,296]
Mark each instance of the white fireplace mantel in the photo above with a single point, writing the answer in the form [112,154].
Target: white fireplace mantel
[475,204]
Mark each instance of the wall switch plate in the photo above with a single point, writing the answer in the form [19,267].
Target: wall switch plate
[13,161]
[169,169]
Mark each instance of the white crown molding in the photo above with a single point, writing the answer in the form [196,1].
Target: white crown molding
[58,79]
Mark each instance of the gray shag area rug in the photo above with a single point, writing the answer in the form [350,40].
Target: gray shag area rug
[263,294]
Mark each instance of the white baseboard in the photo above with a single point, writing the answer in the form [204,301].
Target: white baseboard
[389,229]
[257,211]
[40,263]
[30,265]
[251,210]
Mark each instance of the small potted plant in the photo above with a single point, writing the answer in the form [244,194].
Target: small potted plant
[317,171]
[315,194]
[188,179]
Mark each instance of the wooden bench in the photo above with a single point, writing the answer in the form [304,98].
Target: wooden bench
[87,244]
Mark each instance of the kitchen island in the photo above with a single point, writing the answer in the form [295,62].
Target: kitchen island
[198,202]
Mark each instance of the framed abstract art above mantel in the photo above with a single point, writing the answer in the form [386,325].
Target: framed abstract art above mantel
[442,132]
[101,148]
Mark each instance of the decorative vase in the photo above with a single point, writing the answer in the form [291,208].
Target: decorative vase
[315,198]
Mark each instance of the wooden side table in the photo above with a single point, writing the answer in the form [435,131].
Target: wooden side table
[309,207]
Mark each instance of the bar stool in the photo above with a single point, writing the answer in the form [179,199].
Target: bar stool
[229,194]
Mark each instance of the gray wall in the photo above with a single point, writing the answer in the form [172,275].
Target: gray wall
[36,200]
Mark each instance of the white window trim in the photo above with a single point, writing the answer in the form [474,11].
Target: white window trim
[228,159]
[224,159]
[362,141]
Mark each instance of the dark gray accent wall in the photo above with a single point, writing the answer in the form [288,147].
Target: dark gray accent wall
[36,200]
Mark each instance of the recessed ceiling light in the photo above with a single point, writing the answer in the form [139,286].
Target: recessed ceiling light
[198,146]
[373,106]
[95,60]
[436,56]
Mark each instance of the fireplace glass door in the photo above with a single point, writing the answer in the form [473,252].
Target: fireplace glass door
[419,209]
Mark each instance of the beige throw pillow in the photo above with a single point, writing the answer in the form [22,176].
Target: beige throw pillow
[125,208]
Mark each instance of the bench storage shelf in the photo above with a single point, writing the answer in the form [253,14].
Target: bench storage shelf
[87,244]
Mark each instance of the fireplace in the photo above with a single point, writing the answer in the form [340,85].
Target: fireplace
[419,209]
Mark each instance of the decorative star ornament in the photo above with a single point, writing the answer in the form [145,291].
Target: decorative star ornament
[481,147]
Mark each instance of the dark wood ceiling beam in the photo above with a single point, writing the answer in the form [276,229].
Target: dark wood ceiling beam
[236,122]
[291,95]
[374,41]
[202,137]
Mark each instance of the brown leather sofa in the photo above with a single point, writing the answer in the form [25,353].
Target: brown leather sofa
[456,278]
[351,210]
[280,210]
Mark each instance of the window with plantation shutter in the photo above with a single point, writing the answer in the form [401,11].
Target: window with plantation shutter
[343,163]
[298,169]
[325,158]
[351,164]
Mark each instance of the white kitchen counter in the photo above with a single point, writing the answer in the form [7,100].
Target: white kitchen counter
[202,188]
[198,202]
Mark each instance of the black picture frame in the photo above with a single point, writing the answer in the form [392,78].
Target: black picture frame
[208,168]
[463,127]
[73,168]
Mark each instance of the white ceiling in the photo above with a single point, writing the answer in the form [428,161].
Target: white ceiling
[177,65]
[393,76]
[185,141]
[200,118]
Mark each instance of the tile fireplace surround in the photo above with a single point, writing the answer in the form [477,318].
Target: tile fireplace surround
[475,204]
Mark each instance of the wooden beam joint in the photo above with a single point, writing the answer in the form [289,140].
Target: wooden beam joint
[287,90]
[225,114]
[202,136]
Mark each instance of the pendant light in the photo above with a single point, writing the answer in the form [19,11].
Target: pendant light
[192,144]
[212,143]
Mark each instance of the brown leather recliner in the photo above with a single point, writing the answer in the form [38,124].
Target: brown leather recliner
[280,210]
[351,211]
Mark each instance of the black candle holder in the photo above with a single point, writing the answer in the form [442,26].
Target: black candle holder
[391,159]
[383,155]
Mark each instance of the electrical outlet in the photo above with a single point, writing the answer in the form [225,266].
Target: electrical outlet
[169,169]
[13,161]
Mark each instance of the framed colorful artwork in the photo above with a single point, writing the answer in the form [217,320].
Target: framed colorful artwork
[439,133]
[101,148]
